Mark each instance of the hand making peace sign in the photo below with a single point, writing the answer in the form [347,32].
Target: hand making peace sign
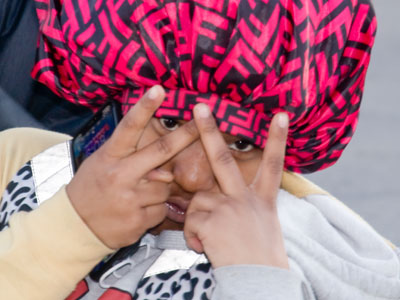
[239,224]
[119,191]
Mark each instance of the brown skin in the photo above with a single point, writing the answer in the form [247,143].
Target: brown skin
[191,169]
[121,190]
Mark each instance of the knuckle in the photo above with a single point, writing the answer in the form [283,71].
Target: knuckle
[110,176]
[271,205]
[209,126]
[191,129]
[224,157]
[224,206]
[130,122]
[125,201]
[163,145]
[275,165]
[282,136]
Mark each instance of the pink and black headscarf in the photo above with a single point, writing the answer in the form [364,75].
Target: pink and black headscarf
[247,59]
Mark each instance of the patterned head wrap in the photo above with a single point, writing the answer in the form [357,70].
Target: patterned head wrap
[247,59]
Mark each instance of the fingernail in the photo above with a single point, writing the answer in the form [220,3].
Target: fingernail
[283,120]
[153,93]
[202,110]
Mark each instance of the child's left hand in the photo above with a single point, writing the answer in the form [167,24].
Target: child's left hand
[238,225]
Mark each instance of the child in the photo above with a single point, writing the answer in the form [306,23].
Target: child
[154,178]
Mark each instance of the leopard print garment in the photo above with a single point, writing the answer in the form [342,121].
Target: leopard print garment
[19,195]
[178,284]
[195,281]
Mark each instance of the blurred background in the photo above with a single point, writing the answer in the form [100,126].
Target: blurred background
[367,175]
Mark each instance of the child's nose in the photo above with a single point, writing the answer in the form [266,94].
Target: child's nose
[192,170]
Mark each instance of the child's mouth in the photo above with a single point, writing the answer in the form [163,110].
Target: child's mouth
[177,207]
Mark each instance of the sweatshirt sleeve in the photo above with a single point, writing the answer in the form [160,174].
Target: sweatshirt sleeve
[258,282]
[43,253]
[19,145]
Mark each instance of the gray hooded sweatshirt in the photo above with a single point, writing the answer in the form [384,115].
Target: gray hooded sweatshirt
[333,255]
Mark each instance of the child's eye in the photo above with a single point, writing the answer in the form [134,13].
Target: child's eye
[169,124]
[242,146]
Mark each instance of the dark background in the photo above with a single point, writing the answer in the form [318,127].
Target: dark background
[366,177]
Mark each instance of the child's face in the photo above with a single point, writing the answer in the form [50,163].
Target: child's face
[192,171]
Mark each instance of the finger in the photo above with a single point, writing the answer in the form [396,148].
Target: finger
[125,137]
[204,201]
[221,160]
[194,223]
[154,214]
[269,175]
[159,174]
[156,192]
[163,149]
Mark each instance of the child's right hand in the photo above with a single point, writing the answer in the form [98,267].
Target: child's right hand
[118,191]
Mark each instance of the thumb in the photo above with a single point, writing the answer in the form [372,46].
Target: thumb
[194,222]
[161,175]
[195,244]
